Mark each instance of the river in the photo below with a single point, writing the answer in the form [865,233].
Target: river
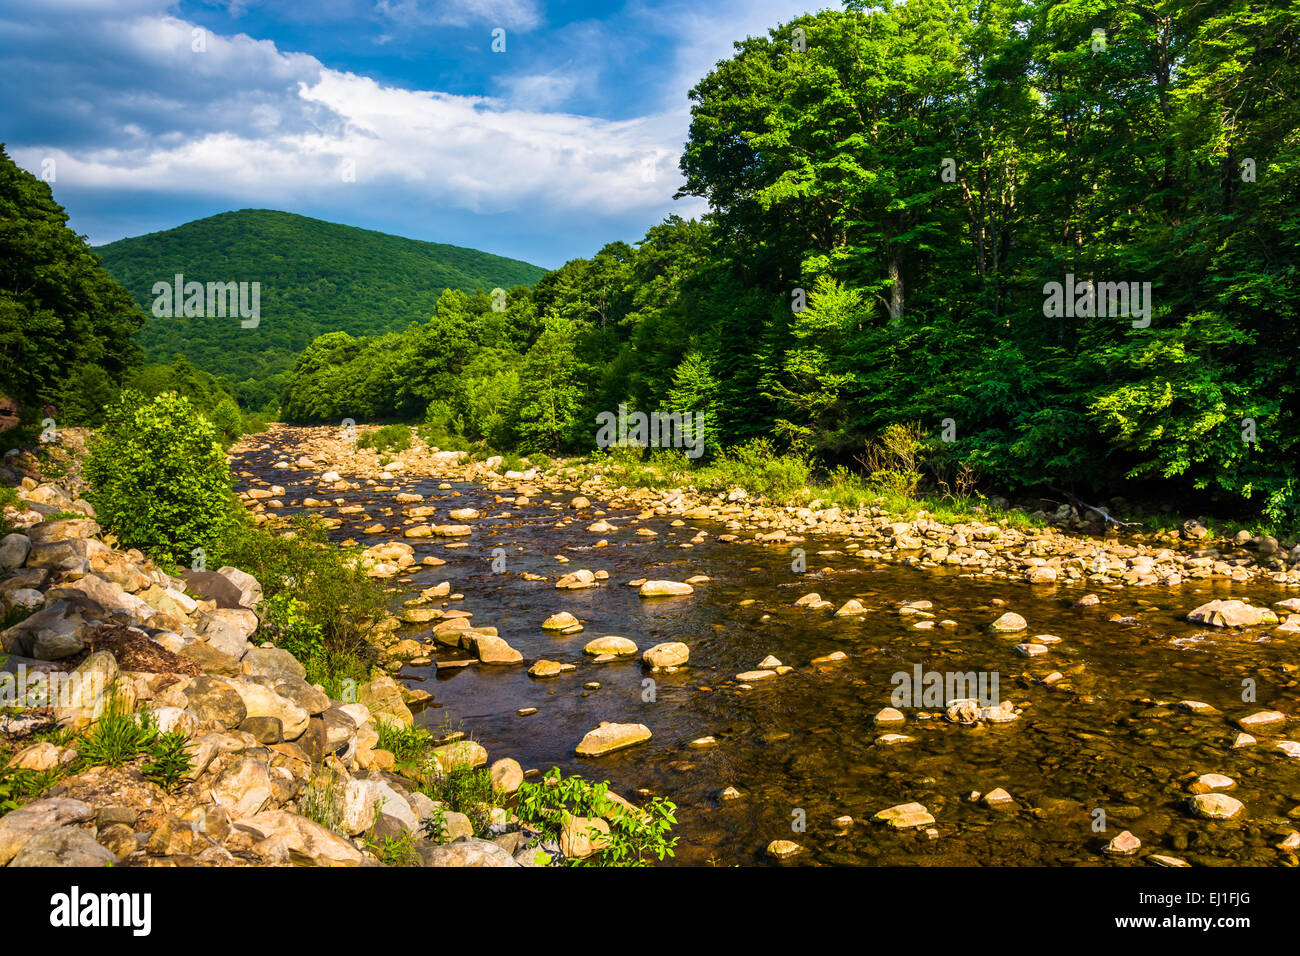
[1103,744]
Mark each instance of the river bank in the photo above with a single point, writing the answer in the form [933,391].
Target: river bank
[145,721]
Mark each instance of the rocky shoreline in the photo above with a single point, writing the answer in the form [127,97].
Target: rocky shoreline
[108,629]
[984,549]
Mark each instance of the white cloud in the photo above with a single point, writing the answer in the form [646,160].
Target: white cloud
[264,126]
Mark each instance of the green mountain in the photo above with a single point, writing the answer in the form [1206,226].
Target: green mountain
[314,276]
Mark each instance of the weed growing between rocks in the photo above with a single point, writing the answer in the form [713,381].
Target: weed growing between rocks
[399,850]
[320,801]
[120,736]
[565,809]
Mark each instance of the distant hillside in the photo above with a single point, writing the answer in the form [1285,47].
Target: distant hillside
[315,277]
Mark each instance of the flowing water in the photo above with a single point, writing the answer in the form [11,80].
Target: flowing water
[802,746]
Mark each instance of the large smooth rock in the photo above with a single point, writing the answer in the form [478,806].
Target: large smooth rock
[469,851]
[228,630]
[305,695]
[905,816]
[576,580]
[668,654]
[494,650]
[1231,614]
[215,702]
[665,589]
[273,662]
[384,698]
[562,621]
[63,846]
[19,826]
[243,788]
[262,701]
[611,644]
[13,551]
[609,737]
[1216,806]
[285,837]
[250,591]
[1010,623]
[507,774]
[462,753]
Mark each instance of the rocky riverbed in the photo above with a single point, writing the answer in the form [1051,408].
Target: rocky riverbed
[100,627]
[748,662]
[808,685]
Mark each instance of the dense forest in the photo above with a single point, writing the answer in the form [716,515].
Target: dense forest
[893,192]
[314,277]
[66,328]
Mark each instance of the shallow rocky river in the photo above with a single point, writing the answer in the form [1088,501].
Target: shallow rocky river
[1109,734]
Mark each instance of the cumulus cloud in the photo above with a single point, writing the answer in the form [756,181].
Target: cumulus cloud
[243,119]
[131,101]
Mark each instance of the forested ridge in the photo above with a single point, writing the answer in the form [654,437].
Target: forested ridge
[917,176]
[314,277]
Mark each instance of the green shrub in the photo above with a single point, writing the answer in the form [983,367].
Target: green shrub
[756,467]
[467,790]
[892,460]
[158,477]
[634,837]
[388,438]
[169,760]
[317,603]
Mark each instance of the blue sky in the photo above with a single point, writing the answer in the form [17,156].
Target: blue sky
[390,114]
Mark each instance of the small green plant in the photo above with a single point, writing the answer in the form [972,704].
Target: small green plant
[397,850]
[410,746]
[18,785]
[169,760]
[636,836]
[118,737]
[393,850]
[435,828]
[320,801]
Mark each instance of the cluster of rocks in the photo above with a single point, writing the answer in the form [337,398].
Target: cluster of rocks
[279,772]
[997,550]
